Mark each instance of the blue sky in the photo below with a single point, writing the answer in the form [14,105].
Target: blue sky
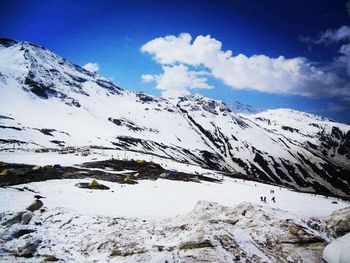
[112,33]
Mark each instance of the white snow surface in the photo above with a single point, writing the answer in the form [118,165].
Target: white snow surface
[338,251]
[162,198]
[77,230]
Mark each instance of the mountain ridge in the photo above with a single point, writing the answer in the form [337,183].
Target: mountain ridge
[52,103]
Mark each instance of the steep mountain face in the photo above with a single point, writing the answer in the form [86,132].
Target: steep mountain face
[49,102]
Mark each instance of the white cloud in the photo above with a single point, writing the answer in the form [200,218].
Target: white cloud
[259,72]
[93,67]
[340,65]
[341,34]
[177,80]
[148,78]
[329,36]
[344,58]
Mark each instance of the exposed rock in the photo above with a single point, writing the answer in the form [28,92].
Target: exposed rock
[50,258]
[93,185]
[300,235]
[211,233]
[22,232]
[26,217]
[17,218]
[339,222]
[196,244]
[127,251]
[36,205]
[27,249]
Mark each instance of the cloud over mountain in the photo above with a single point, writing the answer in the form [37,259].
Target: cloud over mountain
[177,80]
[93,67]
[296,76]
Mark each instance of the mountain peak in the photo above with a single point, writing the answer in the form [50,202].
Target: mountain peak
[45,74]
[6,42]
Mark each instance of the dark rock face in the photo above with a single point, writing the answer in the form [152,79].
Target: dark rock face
[59,143]
[145,98]
[129,124]
[92,186]
[344,147]
[47,131]
[287,128]
[6,42]
[36,205]
[22,232]
[336,142]
[109,86]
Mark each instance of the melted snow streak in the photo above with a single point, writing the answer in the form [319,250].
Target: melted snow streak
[48,102]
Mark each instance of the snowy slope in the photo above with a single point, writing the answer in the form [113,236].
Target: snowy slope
[162,198]
[239,107]
[48,102]
[152,222]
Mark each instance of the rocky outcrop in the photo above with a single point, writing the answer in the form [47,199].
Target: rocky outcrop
[211,232]
[338,223]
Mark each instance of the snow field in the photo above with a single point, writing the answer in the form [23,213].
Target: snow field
[162,199]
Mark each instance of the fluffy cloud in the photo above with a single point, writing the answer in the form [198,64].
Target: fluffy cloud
[93,67]
[177,80]
[259,72]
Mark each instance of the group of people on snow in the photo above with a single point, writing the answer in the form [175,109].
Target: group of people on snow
[263,199]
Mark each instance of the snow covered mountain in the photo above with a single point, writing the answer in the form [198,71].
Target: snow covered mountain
[48,102]
[239,107]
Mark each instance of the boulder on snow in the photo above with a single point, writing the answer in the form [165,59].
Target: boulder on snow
[300,235]
[36,205]
[50,258]
[93,185]
[338,251]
